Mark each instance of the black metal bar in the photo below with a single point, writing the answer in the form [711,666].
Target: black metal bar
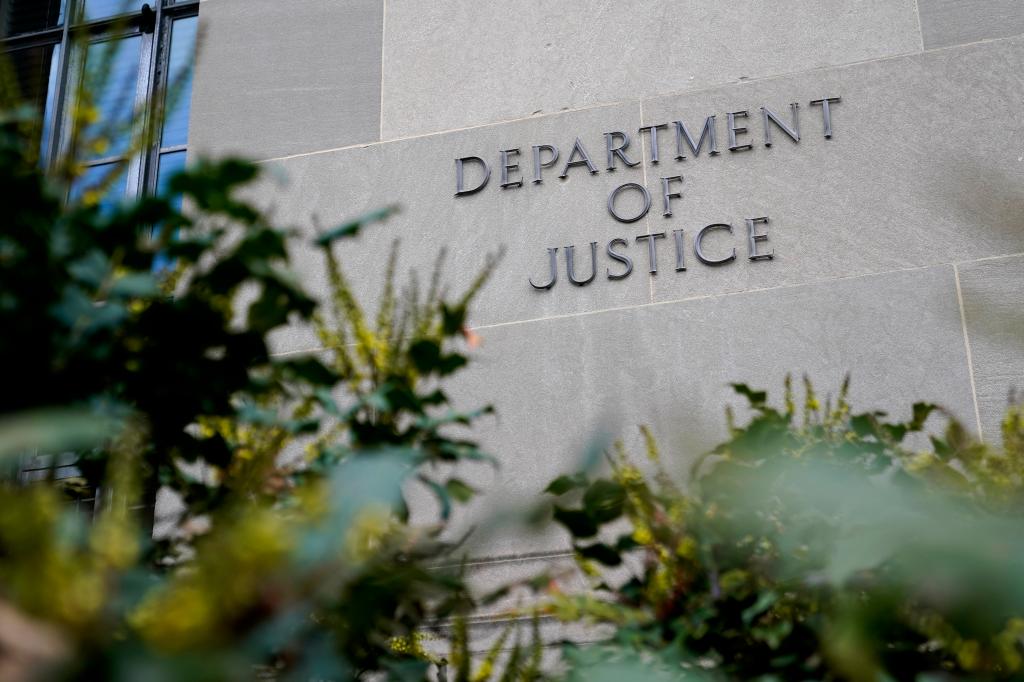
[49,156]
[49,36]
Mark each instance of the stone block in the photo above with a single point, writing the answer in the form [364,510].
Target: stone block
[455,63]
[562,385]
[419,175]
[953,22]
[920,170]
[279,78]
[992,293]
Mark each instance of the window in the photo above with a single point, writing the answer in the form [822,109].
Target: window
[130,56]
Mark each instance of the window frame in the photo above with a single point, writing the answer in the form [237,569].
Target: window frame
[153,25]
[143,164]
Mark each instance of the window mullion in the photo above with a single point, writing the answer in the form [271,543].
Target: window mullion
[156,76]
[24,41]
[70,91]
[56,124]
[142,127]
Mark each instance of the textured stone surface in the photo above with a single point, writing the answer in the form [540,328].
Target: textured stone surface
[951,22]
[922,169]
[276,78]
[419,174]
[558,384]
[455,63]
[993,291]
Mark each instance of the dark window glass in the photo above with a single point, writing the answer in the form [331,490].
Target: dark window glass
[51,98]
[171,163]
[30,76]
[27,16]
[112,73]
[100,9]
[179,82]
[103,185]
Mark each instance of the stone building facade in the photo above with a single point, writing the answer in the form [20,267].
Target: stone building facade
[894,223]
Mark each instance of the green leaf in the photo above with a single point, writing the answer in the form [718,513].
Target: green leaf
[564,484]
[452,319]
[765,601]
[311,370]
[626,543]
[352,228]
[135,285]
[576,521]
[326,400]
[864,425]
[90,269]
[450,363]
[459,490]
[756,398]
[426,355]
[54,430]
[600,552]
[603,501]
[921,413]
[441,493]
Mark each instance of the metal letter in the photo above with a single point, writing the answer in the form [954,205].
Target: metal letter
[755,238]
[553,264]
[653,139]
[652,251]
[615,193]
[667,195]
[771,117]
[570,265]
[620,151]
[621,257]
[460,189]
[538,164]
[734,146]
[680,250]
[506,167]
[826,112]
[682,133]
[698,249]
[578,148]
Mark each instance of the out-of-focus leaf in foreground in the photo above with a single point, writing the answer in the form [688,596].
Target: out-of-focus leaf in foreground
[54,430]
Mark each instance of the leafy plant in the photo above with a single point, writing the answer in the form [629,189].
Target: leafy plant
[140,331]
[813,543]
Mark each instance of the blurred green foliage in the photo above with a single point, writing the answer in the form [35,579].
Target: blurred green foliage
[137,334]
[813,544]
